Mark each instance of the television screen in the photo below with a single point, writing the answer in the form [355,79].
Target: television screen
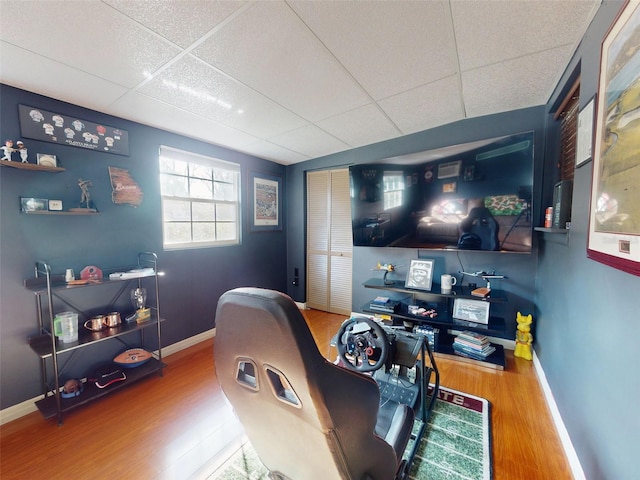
[475,196]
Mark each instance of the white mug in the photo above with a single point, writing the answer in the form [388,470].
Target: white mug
[68,275]
[447,282]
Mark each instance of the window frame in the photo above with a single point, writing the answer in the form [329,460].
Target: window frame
[394,192]
[194,160]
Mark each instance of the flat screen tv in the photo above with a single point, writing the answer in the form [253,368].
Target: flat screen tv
[475,196]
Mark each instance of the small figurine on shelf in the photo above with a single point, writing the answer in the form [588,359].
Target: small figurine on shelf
[86,205]
[524,339]
[23,151]
[388,268]
[7,150]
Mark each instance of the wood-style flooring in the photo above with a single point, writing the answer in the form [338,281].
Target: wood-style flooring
[180,426]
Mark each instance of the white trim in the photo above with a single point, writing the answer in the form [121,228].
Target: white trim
[187,342]
[29,406]
[302,305]
[567,445]
[19,410]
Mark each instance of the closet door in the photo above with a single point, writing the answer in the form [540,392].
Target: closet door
[329,243]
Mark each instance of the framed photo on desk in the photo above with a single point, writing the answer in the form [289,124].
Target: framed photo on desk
[420,274]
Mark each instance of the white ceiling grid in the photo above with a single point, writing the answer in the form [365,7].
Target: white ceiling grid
[292,80]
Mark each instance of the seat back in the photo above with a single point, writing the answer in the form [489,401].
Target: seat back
[481,225]
[306,418]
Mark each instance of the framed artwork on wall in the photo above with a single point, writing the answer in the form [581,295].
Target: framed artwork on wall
[585,134]
[614,214]
[420,274]
[265,202]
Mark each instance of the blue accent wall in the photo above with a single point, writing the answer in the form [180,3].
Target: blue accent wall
[193,280]
[587,316]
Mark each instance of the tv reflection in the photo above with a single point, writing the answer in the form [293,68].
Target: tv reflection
[475,196]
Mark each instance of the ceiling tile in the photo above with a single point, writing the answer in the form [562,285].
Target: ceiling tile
[24,69]
[148,111]
[310,141]
[192,85]
[276,153]
[362,126]
[425,107]
[486,34]
[180,22]
[89,36]
[389,47]
[269,49]
[511,85]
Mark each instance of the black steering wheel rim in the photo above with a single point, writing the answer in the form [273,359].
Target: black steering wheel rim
[355,349]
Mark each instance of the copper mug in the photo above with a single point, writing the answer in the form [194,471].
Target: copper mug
[95,324]
[112,319]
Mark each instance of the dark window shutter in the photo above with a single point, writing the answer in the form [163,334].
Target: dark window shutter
[568,115]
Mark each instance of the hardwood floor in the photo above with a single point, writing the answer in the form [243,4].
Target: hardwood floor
[180,426]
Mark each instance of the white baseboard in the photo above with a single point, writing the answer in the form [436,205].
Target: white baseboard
[29,406]
[187,342]
[302,305]
[567,445]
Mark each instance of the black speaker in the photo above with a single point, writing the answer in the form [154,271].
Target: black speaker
[562,192]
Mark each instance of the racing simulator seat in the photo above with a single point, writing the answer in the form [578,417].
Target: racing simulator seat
[307,418]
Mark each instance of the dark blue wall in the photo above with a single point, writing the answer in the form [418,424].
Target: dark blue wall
[193,280]
[587,312]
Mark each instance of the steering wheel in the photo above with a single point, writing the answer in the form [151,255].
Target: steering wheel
[361,341]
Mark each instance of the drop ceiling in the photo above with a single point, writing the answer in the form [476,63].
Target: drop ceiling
[292,80]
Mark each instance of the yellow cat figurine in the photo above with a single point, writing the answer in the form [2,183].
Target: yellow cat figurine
[524,339]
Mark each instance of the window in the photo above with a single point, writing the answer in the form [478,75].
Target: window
[567,113]
[200,200]
[393,188]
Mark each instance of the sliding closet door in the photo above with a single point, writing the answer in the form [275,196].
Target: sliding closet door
[329,244]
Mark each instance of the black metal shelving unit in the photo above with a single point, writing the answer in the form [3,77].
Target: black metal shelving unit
[46,286]
[496,326]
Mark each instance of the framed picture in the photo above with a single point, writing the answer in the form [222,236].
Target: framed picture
[471,310]
[450,187]
[266,202]
[30,204]
[55,127]
[47,160]
[585,134]
[614,214]
[469,173]
[420,274]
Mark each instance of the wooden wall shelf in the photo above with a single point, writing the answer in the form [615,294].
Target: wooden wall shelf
[54,212]
[30,166]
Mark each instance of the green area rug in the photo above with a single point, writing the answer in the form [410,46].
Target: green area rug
[456,445]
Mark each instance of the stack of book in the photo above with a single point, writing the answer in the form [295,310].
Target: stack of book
[473,345]
[383,304]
